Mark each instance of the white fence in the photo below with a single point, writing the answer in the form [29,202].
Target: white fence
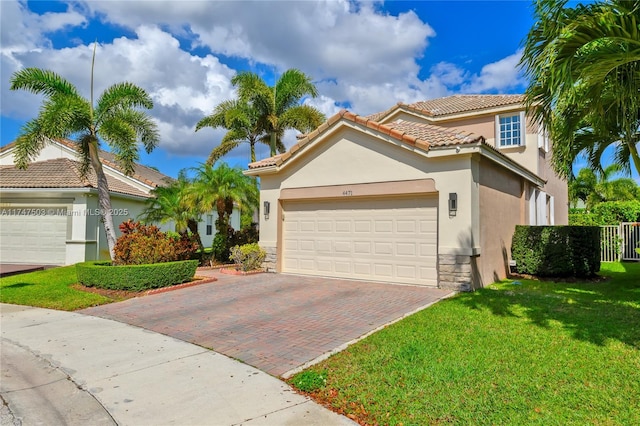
[619,242]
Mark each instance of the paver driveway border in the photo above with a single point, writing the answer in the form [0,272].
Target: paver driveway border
[278,323]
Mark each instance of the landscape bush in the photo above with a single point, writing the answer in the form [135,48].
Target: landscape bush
[145,244]
[558,251]
[221,246]
[135,277]
[606,213]
[249,256]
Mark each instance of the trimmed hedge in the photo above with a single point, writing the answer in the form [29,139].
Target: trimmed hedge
[558,251]
[607,213]
[135,277]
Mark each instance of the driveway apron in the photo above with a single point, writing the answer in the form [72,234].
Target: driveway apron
[274,322]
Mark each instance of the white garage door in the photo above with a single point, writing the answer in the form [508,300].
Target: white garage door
[391,240]
[28,236]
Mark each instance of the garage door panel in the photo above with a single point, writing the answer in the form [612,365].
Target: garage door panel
[385,240]
[29,238]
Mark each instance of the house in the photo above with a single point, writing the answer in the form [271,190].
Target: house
[50,214]
[427,193]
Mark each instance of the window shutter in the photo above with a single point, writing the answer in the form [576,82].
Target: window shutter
[497,140]
[523,129]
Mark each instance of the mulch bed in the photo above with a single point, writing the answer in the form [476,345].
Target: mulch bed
[124,294]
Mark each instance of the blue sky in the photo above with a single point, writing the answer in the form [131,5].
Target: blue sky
[365,56]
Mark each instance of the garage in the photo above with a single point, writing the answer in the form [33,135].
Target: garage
[31,234]
[377,239]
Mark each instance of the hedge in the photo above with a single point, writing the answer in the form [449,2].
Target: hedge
[135,277]
[607,213]
[559,251]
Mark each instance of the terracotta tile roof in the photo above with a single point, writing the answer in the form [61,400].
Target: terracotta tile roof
[59,173]
[435,135]
[420,135]
[453,105]
[141,173]
[465,103]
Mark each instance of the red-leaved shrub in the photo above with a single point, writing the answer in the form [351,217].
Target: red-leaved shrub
[144,244]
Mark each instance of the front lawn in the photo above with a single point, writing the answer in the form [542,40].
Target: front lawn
[528,353]
[51,288]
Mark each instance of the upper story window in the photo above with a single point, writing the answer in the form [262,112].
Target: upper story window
[510,130]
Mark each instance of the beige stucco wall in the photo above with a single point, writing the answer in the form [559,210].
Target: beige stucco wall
[556,187]
[501,208]
[351,157]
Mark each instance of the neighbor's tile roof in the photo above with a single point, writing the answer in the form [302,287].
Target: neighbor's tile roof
[454,105]
[420,135]
[59,173]
[141,173]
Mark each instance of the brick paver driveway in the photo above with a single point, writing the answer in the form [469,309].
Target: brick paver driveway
[274,322]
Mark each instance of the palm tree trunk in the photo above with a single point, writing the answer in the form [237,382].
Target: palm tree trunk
[104,198]
[634,155]
[272,143]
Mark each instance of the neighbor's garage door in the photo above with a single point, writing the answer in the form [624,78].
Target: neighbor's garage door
[29,236]
[392,240]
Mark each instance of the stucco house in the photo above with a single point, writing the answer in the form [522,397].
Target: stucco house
[426,193]
[50,214]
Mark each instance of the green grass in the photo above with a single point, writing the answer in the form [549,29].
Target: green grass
[50,288]
[536,353]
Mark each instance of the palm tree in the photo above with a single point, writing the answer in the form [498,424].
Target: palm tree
[242,122]
[220,188]
[115,119]
[583,64]
[278,107]
[594,188]
[169,204]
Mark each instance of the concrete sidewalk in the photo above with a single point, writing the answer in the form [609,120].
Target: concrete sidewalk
[66,368]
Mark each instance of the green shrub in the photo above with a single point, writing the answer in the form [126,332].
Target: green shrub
[558,251]
[584,219]
[310,380]
[614,212]
[248,256]
[141,245]
[135,277]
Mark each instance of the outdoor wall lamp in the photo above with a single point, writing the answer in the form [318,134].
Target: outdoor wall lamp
[453,203]
[265,210]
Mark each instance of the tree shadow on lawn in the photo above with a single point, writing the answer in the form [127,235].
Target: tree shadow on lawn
[590,311]
[17,285]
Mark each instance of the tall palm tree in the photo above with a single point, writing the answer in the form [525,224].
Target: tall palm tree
[279,106]
[241,120]
[115,119]
[583,64]
[220,188]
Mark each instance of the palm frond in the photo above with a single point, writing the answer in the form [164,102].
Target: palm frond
[44,82]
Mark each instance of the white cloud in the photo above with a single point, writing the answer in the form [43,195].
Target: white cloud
[497,76]
[360,56]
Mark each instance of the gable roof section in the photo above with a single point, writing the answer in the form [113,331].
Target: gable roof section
[452,105]
[145,175]
[422,136]
[59,173]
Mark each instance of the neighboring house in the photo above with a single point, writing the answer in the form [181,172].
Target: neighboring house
[50,214]
[427,193]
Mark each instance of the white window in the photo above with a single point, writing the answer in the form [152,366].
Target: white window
[510,130]
[209,224]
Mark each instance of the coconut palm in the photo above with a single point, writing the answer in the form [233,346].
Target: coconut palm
[115,119]
[583,65]
[278,107]
[242,122]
